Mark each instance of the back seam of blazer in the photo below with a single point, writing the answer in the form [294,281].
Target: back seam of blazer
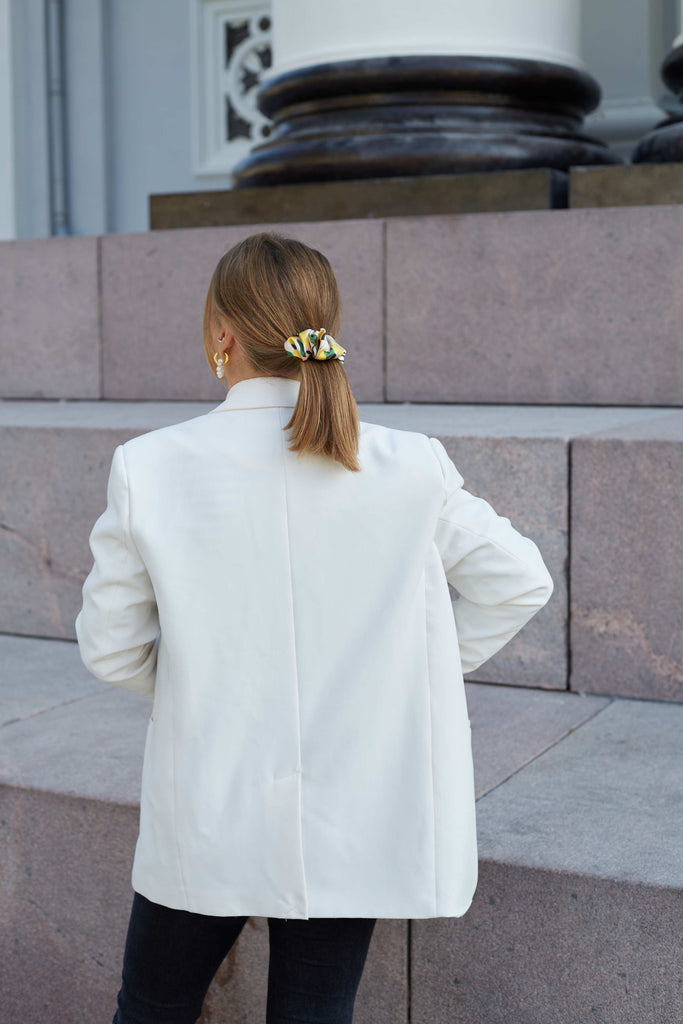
[296,658]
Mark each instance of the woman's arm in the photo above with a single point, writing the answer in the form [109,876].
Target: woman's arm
[118,625]
[499,574]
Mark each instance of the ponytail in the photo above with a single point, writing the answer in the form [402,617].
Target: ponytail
[269,288]
[325,419]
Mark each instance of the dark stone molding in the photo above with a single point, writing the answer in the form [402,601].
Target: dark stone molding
[405,116]
[664,144]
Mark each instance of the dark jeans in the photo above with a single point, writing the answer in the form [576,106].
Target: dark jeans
[171,957]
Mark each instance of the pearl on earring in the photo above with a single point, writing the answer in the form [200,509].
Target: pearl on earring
[220,362]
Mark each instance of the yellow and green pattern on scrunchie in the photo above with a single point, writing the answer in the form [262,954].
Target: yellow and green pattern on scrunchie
[310,344]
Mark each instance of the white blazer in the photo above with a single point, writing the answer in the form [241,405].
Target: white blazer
[308,753]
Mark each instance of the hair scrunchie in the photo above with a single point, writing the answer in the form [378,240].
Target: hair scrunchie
[310,344]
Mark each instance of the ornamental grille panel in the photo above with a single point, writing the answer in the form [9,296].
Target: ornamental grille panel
[231,55]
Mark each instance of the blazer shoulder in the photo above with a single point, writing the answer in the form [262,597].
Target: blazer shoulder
[163,437]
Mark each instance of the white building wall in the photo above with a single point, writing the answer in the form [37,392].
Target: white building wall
[132,78]
[8,226]
[624,43]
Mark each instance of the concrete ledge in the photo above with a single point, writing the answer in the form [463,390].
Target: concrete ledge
[530,189]
[575,917]
[537,306]
[627,553]
[628,185]
[45,447]
[55,457]
[540,947]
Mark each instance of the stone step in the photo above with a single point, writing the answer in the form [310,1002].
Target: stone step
[558,307]
[575,918]
[563,475]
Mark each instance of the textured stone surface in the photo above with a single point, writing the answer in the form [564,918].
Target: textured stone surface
[72,734]
[537,947]
[153,290]
[380,197]
[49,320]
[36,675]
[627,553]
[65,898]
[547,307]
[511,726]
[55,457]
[628,185]
[574,919]
[89,747]
[239,988]
[64,902]
[525,480]
[607,801]
[54,488]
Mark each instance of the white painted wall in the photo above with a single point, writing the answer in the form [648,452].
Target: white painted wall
[8,226]
[625,53]
[29,111]
[309,31]
[129,84]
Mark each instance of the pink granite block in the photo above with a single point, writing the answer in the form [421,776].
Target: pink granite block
[49,319]
[545,947]
[54,488]
[65,899]
[153,290]
[525,480]
[567,306]
[627,554]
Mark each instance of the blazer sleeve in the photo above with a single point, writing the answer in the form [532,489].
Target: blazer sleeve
[118,625]
[500,576]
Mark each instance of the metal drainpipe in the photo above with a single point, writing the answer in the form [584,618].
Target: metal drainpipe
[56,116]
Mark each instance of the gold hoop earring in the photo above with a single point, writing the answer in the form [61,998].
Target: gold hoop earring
[220,361]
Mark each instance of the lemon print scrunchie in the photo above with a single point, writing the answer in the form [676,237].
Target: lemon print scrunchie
[310,344]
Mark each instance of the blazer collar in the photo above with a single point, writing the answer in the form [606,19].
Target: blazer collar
[261,393]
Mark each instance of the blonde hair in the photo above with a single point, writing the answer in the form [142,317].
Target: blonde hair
[270,288]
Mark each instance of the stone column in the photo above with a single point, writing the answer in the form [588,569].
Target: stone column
[375,88]
[664,144]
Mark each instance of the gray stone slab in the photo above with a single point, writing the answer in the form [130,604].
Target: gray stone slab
[607,801]
[526,480]
[509,421]
[90,747]
[537,421]
[153,290]
[521,469]
[536,307]
[49,318]
[36,675]
[627,553]
[54,488]
[511,726]
[628,185]
[538,947]
[124,416]
[529,189]
[70,733]
[65,898]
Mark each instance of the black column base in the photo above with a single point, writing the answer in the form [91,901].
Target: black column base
[664,144]
[412,116]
